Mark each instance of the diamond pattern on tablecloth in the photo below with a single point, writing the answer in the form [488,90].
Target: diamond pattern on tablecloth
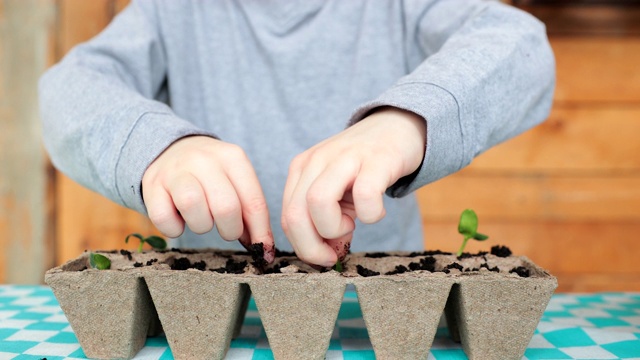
[605,336]
[46,349]
[7,356]
[588,352]
[31,335]
[624,349]
[605,325]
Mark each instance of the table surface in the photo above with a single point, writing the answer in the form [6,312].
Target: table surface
[586,326]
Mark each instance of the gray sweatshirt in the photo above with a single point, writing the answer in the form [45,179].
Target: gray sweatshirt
[278,76]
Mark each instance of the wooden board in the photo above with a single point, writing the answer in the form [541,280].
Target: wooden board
[531,198]
[597,69]
[593,139]
[23,175]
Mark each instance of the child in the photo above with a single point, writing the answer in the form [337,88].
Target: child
[250,114]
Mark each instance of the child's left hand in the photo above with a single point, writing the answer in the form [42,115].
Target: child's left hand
[345,177]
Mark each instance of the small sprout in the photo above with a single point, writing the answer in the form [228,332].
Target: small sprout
[99,262]
[338,266]
[468,227]
[156,242]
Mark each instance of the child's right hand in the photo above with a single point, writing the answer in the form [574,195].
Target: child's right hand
[199,180]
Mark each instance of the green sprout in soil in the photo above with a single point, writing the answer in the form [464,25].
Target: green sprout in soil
[338,266]
[468,227]
[99,262]
[156,242]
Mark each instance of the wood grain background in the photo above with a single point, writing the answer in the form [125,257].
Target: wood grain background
[566,194]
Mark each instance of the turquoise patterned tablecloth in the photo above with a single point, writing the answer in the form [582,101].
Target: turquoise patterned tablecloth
[596,326]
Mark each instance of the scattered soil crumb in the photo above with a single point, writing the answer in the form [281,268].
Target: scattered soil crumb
[521,271]
[500,251]
[126,253]
[428,253]
[364,272]
[282,253]
[231,267]
[257,255]
[427,263]
[184,264]
[151,262]
[400,269]
[376,255]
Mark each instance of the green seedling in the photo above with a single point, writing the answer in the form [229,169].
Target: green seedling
[99,262]
[468,227]
[156,242]
[338,266]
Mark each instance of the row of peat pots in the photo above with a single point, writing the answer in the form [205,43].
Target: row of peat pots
[112,312]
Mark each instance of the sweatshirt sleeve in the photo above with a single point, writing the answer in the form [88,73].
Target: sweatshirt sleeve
[487,73]
[101,124]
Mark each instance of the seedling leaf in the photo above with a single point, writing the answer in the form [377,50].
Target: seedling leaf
[468,225]
[338,266]
[126,240]
[156,242]
[99,262]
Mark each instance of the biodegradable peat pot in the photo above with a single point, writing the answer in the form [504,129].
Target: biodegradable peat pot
[110,311]
[492,302]
[298,311]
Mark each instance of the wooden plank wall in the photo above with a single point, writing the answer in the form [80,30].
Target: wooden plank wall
[563,194]
[26,249]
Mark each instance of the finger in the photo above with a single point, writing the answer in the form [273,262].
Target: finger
[368,190]
[224,206]
[341,245]
[324,199]
[293,177]
[162,211]
[347,206]
[299,227]
[190,200]
[255,212]
[306,242]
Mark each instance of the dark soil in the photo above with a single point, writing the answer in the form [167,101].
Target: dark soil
[521,271]
[179,251]
[257,255]
[281,253]
[427,263]
[400,269]
[364,272]
[126,253]
[500,251]
[470,255]
[376,255]
[428,253]
[231,267]
[276,269]
[184,264]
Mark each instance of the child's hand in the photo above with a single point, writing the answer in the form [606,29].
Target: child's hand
[345,177]
[199,180]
